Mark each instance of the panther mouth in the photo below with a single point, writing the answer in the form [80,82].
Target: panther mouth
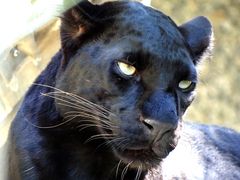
[136,154]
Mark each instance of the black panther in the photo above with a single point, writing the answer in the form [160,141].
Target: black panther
[110,103]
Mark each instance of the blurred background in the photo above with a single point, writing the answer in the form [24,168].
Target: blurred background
[30,37]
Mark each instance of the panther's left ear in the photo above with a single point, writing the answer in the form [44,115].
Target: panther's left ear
[198,34]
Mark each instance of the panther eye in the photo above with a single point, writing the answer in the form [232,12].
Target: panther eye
[186,85]
[126,69]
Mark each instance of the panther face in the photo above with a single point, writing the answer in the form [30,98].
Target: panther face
[133,71]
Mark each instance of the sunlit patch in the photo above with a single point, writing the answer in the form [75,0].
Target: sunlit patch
[78,31]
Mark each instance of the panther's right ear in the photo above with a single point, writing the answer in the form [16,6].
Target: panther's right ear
[198,34]
[77,24]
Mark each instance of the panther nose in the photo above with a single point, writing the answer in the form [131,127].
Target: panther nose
[159,113]
[158,129]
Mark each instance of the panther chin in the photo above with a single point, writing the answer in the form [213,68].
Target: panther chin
[146,158]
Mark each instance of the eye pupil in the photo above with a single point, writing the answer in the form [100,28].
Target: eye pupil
[126,69]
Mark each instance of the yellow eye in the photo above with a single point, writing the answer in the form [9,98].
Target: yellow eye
[185,84]
[126,69]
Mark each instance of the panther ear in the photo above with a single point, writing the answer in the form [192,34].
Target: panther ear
[77,24]
[199,36]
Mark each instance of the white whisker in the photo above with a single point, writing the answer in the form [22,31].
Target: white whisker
[100,136]
[118,165]
[125,170]
[139,172]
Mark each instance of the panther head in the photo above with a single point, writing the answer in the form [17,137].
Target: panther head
[131,74]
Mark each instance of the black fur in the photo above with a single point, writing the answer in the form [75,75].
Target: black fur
[84,119]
